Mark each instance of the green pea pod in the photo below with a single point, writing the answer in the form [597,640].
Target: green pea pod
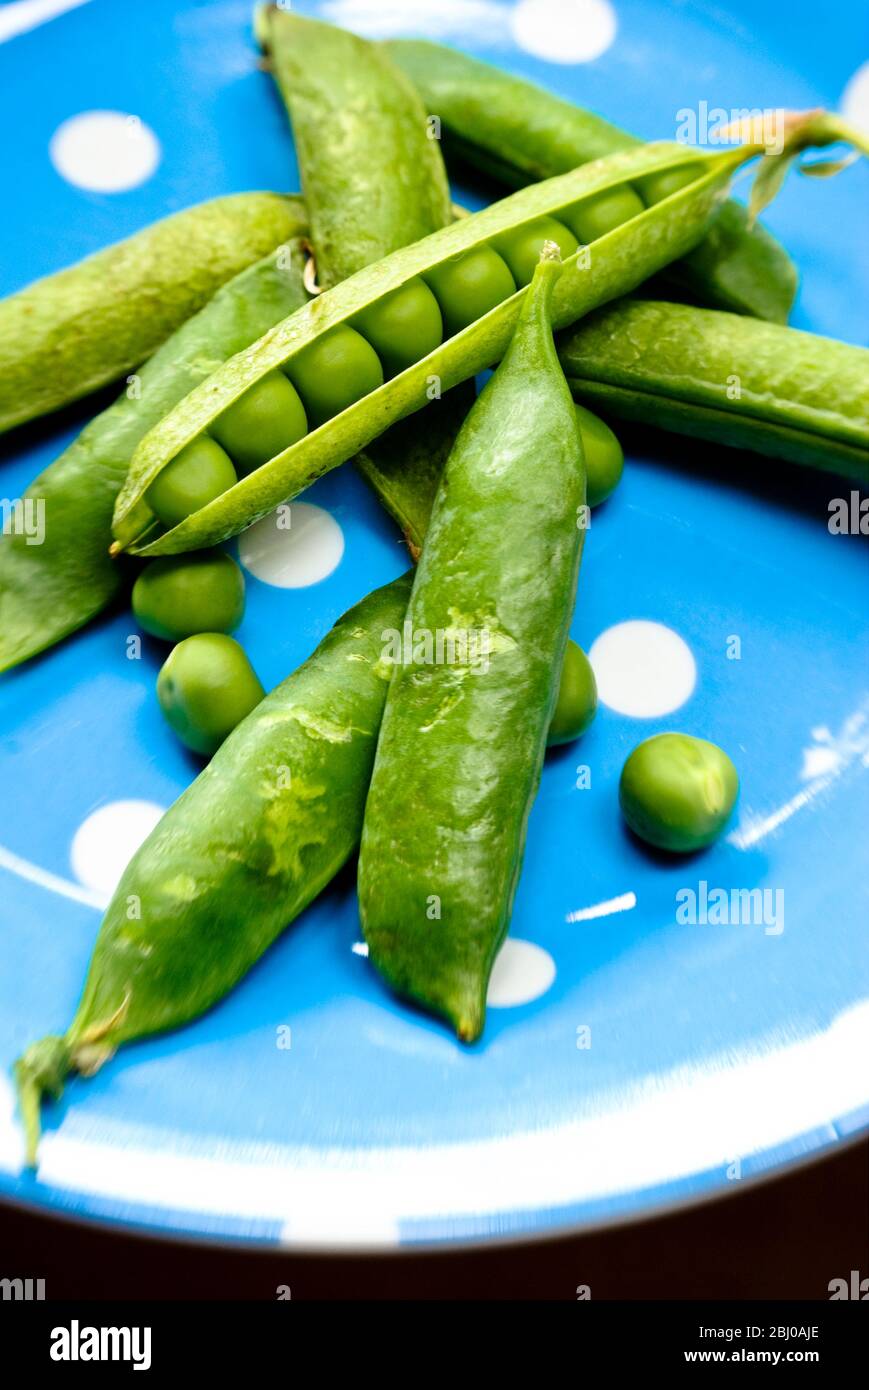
[50,590]
[731,380]
[70,333]
[468,710]
[517,133]
[250,843]
[371,178]
[615,263]
[373,182]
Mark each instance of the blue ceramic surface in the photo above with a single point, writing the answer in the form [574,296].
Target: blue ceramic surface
[631,1058]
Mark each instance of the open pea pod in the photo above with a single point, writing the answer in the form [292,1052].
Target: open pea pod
[371,178]
[613,264]
[725,378]
[470,702]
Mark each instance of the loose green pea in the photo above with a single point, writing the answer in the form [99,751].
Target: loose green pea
[594,217]
[521,248]
[654,188]
[677,791]
[179,595]
[193,478]
[205,688]
[604,459]
[467,286]
[576,705]
[267,419]
[404,326]
[334,371]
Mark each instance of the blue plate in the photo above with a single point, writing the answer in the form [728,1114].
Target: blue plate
[639,1051]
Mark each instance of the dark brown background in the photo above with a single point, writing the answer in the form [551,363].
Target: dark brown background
[781,1239]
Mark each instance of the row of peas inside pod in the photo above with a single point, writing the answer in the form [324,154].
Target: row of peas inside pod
[351,360]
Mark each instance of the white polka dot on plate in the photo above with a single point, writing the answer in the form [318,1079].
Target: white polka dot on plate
[642,668]
[104,151]
[855,98]
[564,31]
[522,972]
[297,545]
[104,844]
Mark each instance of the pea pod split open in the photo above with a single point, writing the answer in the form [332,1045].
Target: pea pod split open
[728,379]
[613,264]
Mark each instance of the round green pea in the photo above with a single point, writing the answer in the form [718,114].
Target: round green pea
[604,459]
[403,327]
[334,371]
[267,419]
[576,705]
[201,472]
[467,286]
[178,595]
[595,216]
[521,248]
[654,188]
[205,688]
[677,791]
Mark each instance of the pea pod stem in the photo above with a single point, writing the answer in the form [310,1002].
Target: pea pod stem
[358,126]
[42,1071]
[802,130]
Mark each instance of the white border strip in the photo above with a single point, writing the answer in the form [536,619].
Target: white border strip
[23,15]
[665,1129]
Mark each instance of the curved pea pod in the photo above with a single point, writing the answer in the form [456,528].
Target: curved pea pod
[50,590]
[70,333]
[250,843]
[732,380]
[371,178]
[469,706]
[373,182]
[516,132]
[613,264]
